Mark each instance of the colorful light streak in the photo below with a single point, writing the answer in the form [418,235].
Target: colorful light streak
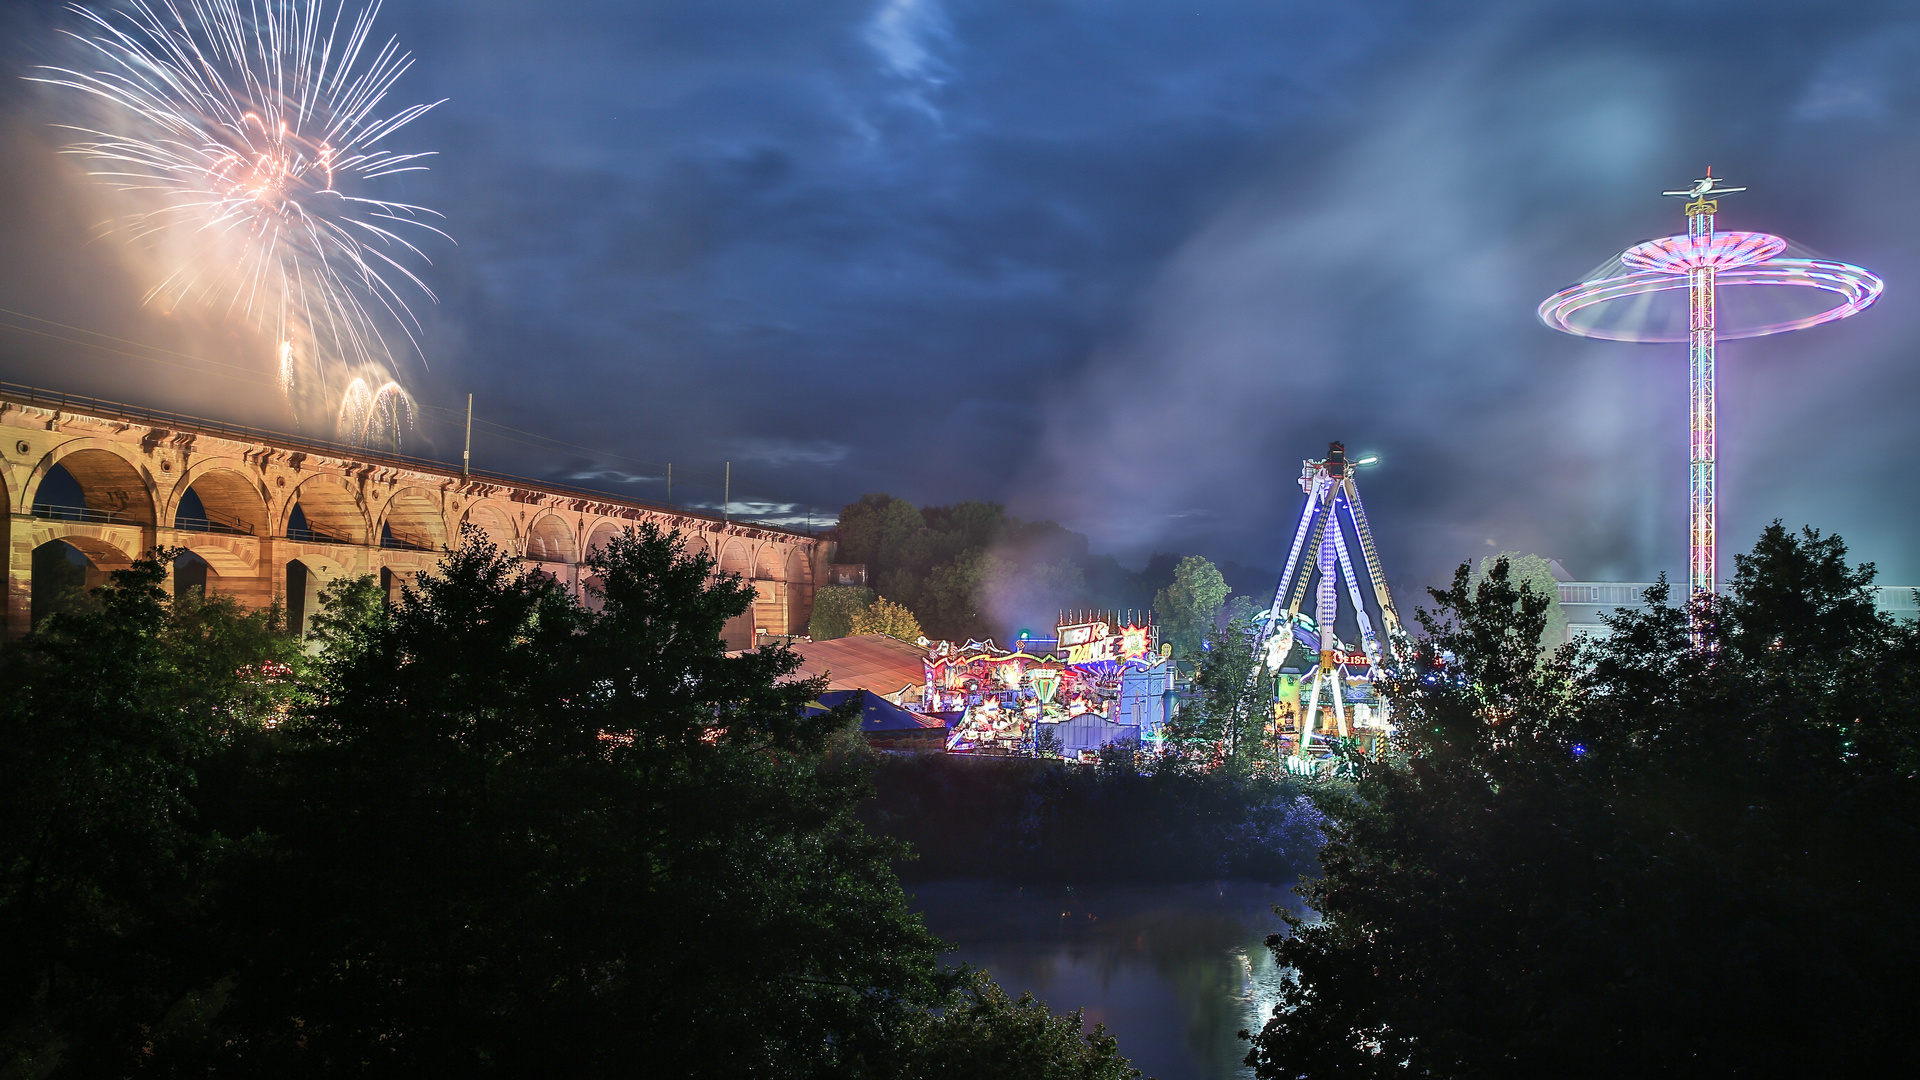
[373,418]
[1002,696]
[1857,288]
[1718,251]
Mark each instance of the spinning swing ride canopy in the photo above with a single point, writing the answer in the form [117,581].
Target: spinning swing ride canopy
[1641,294]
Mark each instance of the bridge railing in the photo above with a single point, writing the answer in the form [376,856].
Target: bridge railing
[310,536]
[83,403]
[211,522]
[88,514]
[394,543]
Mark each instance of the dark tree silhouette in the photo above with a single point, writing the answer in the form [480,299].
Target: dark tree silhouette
[1639,858]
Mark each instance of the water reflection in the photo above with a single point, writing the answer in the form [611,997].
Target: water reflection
[1173,971]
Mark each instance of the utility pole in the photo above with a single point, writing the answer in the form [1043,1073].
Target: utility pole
[726,496]
[466,450]
[669,483]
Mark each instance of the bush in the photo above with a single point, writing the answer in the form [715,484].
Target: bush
[983,1033]
[884,616]
[834,607]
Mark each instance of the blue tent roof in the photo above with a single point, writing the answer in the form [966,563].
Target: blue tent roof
[876,713]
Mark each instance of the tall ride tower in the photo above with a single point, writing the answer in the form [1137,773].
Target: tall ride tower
[1701,262]
[1702,547]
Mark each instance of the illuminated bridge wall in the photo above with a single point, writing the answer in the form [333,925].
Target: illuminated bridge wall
[363,513]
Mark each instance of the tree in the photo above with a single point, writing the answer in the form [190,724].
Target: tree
[351,608]
[970,571]
[1189,607]
[958,593]
[1230,707]
[886,617]
[486,832]
[834,609]
[1605,864]
[524,837]
[880,530]
[115,722]
[1243,609]
[968,526]
[1538,574]
[984,1033]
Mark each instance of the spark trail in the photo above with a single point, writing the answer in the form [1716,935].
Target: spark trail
[247,137]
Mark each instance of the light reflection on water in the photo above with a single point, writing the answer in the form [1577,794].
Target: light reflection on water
[1173,971]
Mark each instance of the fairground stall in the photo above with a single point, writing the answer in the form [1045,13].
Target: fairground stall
[1098,681]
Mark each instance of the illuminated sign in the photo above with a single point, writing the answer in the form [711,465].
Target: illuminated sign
[1045,682]
[1083,634]
[1095,642]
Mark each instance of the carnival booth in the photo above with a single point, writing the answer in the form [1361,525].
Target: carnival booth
[1098,681]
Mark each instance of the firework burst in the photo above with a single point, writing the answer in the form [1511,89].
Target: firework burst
[249,134]
[376,418]
[356,405]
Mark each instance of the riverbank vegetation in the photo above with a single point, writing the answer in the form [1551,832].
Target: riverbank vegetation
[483,831]
[1645,855]
[1131,818]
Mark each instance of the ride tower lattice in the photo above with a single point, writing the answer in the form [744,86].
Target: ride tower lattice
[1321,558]
[1702,295]
[1701,262]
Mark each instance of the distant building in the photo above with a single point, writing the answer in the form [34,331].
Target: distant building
[847,573]
[1584,602]
[1897,601]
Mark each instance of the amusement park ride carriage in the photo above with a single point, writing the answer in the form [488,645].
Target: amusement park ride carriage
[1338,697]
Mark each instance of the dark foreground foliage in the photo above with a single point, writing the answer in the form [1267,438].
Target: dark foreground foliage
[1129,818]
[487,831]
[1634,858]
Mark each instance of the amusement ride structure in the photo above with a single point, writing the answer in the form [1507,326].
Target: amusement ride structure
[1332,508]
[1701,262]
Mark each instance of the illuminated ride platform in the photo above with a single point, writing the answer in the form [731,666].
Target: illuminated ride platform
[1616,303]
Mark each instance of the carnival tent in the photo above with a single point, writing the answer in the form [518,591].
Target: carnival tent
[885,724]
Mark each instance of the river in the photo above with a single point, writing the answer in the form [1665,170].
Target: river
[1173,971]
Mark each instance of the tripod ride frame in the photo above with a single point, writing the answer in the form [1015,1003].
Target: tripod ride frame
[1320,558]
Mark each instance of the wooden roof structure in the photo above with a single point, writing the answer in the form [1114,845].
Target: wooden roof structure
[884,665]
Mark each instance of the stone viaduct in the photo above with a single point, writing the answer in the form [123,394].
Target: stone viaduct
[278,516]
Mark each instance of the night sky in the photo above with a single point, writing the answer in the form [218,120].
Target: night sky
[1118,264]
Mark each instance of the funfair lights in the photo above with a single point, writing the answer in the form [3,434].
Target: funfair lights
[1701,262]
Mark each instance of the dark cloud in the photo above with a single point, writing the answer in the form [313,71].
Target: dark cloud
[1123,265]
[1382,292]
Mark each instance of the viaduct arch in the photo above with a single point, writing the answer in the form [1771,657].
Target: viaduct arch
[273,516]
